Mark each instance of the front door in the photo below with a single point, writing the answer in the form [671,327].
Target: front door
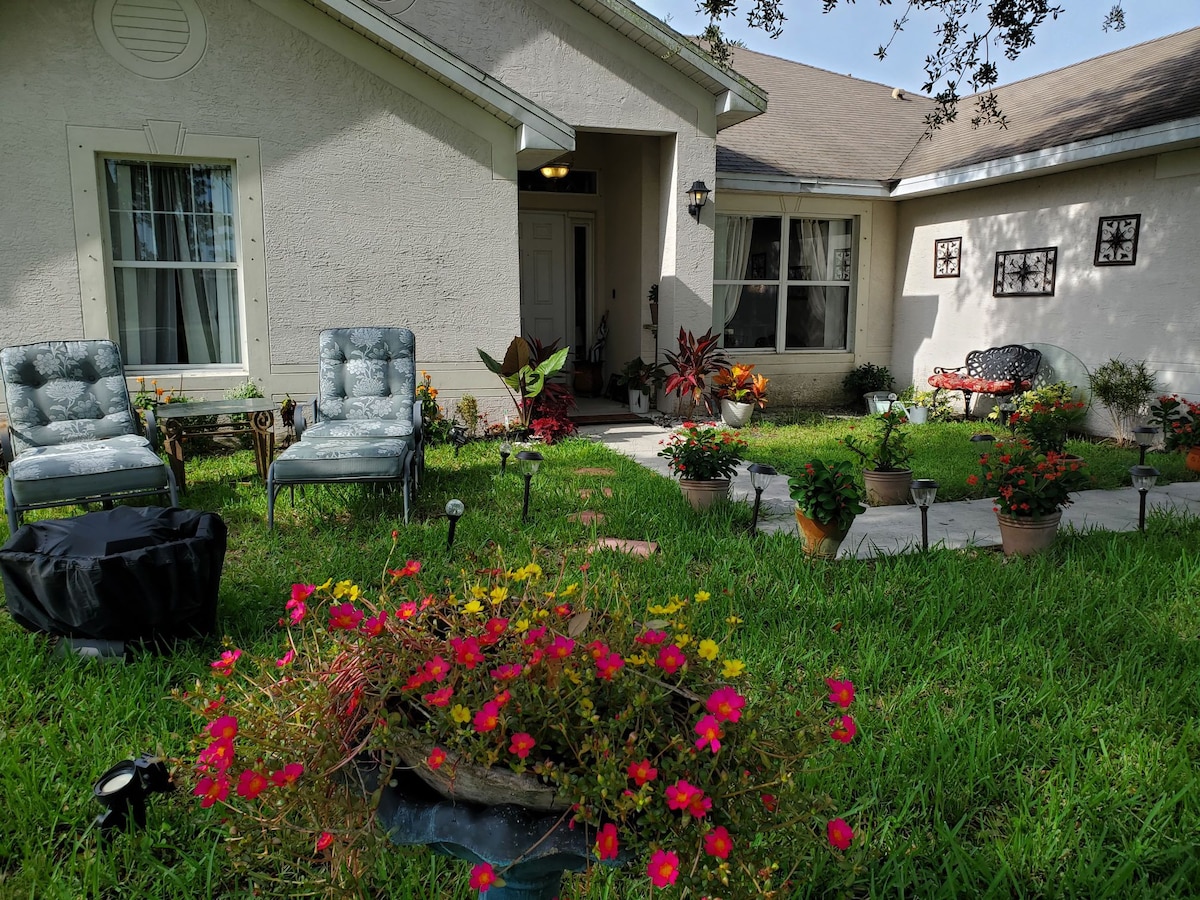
[542,243]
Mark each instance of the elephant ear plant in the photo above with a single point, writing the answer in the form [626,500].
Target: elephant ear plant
[523,376]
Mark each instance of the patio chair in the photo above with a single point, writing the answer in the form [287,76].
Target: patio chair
[366,424]
[73,436]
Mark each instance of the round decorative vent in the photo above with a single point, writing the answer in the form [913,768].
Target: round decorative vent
[154,38]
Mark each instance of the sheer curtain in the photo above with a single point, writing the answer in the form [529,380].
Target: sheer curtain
[731,261]
[174,262]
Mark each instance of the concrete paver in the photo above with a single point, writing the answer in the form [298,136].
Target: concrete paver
[897,529]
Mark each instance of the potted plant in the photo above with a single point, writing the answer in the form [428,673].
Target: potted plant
[695,361]
[641,378]
[739,391]
[623,721]
[704,458]
[885,455]
[920,406]
[524,372]
[827,500]
[1044,415]
[1179,421]
[1031,490]
[871,382]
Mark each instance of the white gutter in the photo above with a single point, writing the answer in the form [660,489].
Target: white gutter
[784,184]
[1138,142]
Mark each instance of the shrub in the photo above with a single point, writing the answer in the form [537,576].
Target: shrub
[866,378]
[1125,388]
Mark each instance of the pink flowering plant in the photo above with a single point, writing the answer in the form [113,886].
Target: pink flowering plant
[643,731]
[702,452]
[1028,482]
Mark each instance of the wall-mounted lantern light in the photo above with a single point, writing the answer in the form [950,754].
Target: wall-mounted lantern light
[697,196]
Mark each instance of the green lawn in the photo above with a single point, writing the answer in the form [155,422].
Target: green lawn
[1027,727]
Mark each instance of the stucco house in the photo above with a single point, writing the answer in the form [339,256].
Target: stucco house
[211,182]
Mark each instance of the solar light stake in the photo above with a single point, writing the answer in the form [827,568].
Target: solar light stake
[505,451]
[1144,435]
[1143,479]
[760,476]
[924,490]
[454,510]
[531,460]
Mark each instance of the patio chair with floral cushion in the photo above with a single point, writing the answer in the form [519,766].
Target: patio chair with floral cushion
[73,435]
[365,422]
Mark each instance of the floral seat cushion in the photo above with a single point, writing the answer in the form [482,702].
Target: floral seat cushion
[956,381]
[316,460]
[366,374]
[395,429]
[86,469]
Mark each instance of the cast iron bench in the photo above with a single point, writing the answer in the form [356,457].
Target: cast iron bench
[998,371]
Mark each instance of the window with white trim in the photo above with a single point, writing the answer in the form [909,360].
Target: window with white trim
[812,271]
[173,253]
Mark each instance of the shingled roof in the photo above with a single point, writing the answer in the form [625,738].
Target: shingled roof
[823,125]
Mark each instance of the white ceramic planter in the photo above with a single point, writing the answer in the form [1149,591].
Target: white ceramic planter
[735,414]
[639,402]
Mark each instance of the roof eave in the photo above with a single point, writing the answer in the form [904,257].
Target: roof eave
[1151,139]
[798,184]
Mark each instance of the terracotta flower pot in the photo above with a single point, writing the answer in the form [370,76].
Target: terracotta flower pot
[735,414]
[820,540]
[1026,535]
[887,488]
[1192,461]
[703,493]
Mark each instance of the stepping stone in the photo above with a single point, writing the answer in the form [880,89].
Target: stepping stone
[595,471]
[633,548]
[585,493]
[587,517]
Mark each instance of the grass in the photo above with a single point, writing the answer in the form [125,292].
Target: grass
[1027,727]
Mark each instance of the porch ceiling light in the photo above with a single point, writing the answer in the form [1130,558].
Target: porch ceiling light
[697,196]
[555,170]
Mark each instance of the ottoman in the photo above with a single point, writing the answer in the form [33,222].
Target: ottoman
[338,460]
[124,574]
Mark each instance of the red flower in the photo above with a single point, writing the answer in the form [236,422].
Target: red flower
[663,868]
[344,617]
[598,649]
[219,754]
[210,790]
[681,794]
[718,843]
[521,744]
[289,774]
[561,647]
[840,692]
[840,834]
[251,784]
[844,729]
[437,756]
[710,733]
[323,841]
[563,609]
[373,627]
[224,665]
[606,842]
[641,772]
[770,802]
[651,637]
[534,635]
[412,567]
[467,652]
[437,668]
[483,878]
[670,659]
[726,704]
[406,610]
[440,697]
[493,629]
[608,666]
[488,717]
[214,705]
[507,672]
[224,727]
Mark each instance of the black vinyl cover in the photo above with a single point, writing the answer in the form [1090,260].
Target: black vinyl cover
[125,574]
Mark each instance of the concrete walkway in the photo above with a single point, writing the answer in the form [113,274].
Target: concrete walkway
[897,529]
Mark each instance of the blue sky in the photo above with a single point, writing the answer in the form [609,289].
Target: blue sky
[845,40]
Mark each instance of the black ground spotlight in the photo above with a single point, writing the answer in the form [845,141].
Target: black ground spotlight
[123,789]
[454,511]
[458,437]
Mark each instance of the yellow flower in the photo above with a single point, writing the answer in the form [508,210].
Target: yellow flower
[499,595]
[533,570]
[733,668]
[460,714]
[570,590]
[573,676]
[669,610]
[325,586]
[586,705]
[479,592]
[542,614]
[702,596]
[474,606]
[521,625]
[637,659]
[682,639]
[341,589]
[733,620]
[708,649]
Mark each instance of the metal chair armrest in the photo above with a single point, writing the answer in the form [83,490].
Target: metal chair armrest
[151,432]
[946,370]
[6,449]
[300,422]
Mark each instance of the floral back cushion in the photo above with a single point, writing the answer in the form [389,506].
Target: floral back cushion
[367,373]
[63,391]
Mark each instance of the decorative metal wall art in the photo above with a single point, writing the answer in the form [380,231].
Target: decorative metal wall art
[1117,240]
[1025,273]
[947,253]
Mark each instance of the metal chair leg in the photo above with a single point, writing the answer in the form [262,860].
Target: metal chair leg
[10,507]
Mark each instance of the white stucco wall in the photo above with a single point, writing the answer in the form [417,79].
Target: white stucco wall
[1148,311]
[382,204]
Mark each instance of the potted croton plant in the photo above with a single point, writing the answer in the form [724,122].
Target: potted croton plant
[827,500]
[705,458]
[641,740]
[739,391]
[885,454]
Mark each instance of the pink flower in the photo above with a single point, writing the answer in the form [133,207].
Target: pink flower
[493,629]
[561,647]
[598,649]
[224,665]
[488,717]
[770,802]
[641,772]
[437,756]
[840,692]
[285,659]
[699,806]
[663,868]
[534,635]
[437,669]
[415,680]
[607,666]
[844,729]
[651,637]
[218,755]
[670,659]
[373,627]
[296,610]
[210,790]
[251,784]
[726,704]
[323,841]
[521,744]
[440,697]
[412,567]
[840,834]
[710,733]
[467,652]
[289,774]
[606,842]
[406,610]
[483,876]
[681,794]
[718,843]
[344,617]
[507,672]
[224,727]
[300,593]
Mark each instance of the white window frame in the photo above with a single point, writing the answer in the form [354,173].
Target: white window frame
[782,283]
[170,142]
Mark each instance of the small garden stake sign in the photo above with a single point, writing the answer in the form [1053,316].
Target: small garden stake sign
[648,734]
